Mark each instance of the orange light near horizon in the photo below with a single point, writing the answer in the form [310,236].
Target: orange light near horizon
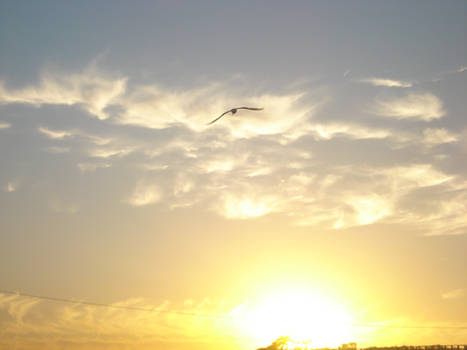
[305,317]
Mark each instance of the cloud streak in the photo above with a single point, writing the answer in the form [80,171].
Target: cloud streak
[386,82]
[287,160]
[144,195]
[54,134]
[453,294]
[417,106]
[4,125]
[49,325]
[90,90]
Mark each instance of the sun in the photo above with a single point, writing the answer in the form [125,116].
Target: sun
[306,318]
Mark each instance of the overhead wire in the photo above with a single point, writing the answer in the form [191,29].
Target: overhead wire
[198,314]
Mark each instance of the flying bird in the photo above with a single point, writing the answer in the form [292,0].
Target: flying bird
[233,111]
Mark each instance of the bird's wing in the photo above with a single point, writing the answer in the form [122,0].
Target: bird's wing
[219,117]
[251,108]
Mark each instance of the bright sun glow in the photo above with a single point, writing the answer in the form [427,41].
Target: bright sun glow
[308,319]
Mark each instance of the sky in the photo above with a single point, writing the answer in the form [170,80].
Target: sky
[336,214]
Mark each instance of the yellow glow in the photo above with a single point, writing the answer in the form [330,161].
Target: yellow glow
[303,316]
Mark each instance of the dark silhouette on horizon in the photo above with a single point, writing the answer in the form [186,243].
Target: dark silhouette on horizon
[277,344]
[233,111]
[282,343]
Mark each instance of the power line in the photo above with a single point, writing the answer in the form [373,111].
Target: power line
[113,306]
[187,313]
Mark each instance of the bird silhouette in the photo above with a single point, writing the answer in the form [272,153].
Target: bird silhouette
[233,111]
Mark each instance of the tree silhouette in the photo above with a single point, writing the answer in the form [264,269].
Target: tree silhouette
[278,344]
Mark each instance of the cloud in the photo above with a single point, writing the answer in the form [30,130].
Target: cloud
[290,159]
[90,167]
[386,82]
[157,108]
[462,69]
[4,125]
[11,186]
[350,197]
[108,152]
[54,134]
[328,131]
[369,209]
[434,137]
[144,195]
[41,324]
[91,90]
[453,294]
[424,106]
[244,207]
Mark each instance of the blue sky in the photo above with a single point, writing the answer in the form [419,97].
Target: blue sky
[351,181]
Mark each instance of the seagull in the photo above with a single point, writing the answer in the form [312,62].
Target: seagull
[233,111]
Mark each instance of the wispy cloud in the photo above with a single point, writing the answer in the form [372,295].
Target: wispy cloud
[89,167]
[158,107]
[41,324]
[243,207]
[453,294]
[386,82]
[144,195]
[91,90]
[108,152]
[424,106]
[153,107]
[4,125]
[354,131]
[11,186]
[438,136]
[54,134]
[286,160]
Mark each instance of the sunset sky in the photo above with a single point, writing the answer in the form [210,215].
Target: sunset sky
[336,214]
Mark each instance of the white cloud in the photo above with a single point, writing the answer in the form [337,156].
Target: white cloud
[89,167]
[415,175]
[438,136]
[90,89]
[54,134]
[462,69]
[108,152]
[424,107]
[370,209]
[386,82]
[11,186]
[154,107]
[4,125]
[328,131]
[52,325]
[246,206]
[453,294]
[248,165]
[144,195]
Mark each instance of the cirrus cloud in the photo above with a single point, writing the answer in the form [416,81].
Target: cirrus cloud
[420,106]
[386,82]
[92,90]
